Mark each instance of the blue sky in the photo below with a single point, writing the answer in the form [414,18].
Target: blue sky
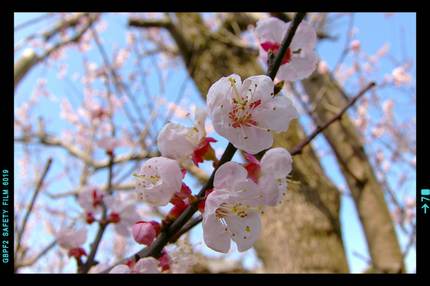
[374,29]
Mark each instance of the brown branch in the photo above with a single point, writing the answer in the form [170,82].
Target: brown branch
[149,23]
[299,148]
[75,152]
[188,226]
[30,207]
[166,24]
[30,58]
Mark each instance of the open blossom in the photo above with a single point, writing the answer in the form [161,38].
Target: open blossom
[158,180]
[109,143]
[246,113]
[122,213]
[232,210]
[144,265]
[400,76]
[72,239]
[300,59]
[270,174]
[276,164]
[91,200]
[184,143]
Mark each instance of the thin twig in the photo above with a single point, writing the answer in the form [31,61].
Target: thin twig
[299,148]
[30,207]
[33,260]
[274,67]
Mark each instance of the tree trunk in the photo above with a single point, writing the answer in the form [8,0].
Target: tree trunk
[303,234]
[367,193]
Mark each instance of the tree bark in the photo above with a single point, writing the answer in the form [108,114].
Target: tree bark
[365,189]
[303,234]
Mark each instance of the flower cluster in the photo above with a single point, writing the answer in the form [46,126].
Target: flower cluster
[232,209]
[246,113]
[120,212]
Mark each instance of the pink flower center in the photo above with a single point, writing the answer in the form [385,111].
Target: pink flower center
[241,115]
[274,48]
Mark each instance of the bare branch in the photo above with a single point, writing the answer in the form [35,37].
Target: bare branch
[29,59]
[298,149]
[30,207]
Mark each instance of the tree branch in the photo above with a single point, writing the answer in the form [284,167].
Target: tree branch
[29,59]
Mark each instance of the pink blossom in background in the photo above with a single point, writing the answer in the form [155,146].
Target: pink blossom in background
[91,200]
[72,239]
[355,46]
[400,76]
[122,213]
[144,265]
[300,59]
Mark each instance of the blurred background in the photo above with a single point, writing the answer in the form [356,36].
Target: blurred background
[84,80]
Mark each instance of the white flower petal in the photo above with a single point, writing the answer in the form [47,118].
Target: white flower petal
[215,234]
[276,164]
[260,87]
[277,161]
[254,140]
[221,91]
[120,269]
[69,238]
[147,265]
[272,192]
[200,115]
[298,68]
[244,231]
[305,37]
[176,141]
[228,173]
[276,114]
[158,180]
[247,193]
[271,30]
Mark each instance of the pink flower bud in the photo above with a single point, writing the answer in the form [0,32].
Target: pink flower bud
[355,46]
[89,218]
[145,232]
